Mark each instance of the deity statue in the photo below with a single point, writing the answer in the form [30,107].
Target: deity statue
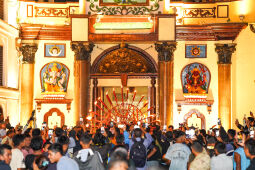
[196,80]
[54,78]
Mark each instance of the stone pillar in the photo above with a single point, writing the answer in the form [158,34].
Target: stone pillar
[165,82]
[82,54]
[27,81]
[153,98]
[224,52]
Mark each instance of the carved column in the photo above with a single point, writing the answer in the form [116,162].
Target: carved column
[224,52]
[166,68]
[153,98]
[82,54]
[27,81]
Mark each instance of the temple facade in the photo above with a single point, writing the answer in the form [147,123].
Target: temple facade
[153,61]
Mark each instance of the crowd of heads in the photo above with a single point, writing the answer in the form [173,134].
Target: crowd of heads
[114,147]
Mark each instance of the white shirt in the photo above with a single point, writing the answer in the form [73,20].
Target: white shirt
[221,162]
[66,163]
[17,159]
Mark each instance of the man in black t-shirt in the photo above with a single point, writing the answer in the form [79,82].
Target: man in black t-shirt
[153,155]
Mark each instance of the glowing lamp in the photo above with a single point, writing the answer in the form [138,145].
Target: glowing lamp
[89,118]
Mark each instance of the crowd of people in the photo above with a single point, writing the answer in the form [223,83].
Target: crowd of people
[127,147]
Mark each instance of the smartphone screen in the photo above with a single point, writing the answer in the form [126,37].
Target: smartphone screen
[111,124]
[102,130]
[50,133]
[187,133]
[217,133]
[252,134]
[219,121]
[192,133]
[164,128]
[121,126]
[136,127]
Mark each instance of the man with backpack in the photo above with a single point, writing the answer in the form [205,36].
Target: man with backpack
[86,158]
[138,148]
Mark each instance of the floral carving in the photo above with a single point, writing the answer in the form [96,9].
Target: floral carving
[51,12]
[124,60]
[199,12]
[123,10]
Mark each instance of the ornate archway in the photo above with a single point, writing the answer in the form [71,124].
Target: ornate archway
[198,114]
[50,113]
[124,59]
[124,62]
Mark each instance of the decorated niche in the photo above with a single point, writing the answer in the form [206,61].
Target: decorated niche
[195,79]
[198,115]
[54,78]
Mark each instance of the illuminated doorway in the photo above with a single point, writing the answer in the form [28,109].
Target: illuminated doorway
[195,118]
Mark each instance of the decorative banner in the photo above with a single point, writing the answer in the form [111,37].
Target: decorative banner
[55,50]
[195,51]
[196,79]
[54,78]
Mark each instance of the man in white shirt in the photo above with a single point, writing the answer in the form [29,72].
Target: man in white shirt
[221,161]
[178,153]
[18,162]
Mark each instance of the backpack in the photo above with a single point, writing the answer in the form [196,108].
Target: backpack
[93,162]
[103,151]
[138,153]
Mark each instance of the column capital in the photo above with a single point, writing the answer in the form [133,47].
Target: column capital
[225,52]
[28,52]
[165,50]
[82,50]
[95,82]
[153,81]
